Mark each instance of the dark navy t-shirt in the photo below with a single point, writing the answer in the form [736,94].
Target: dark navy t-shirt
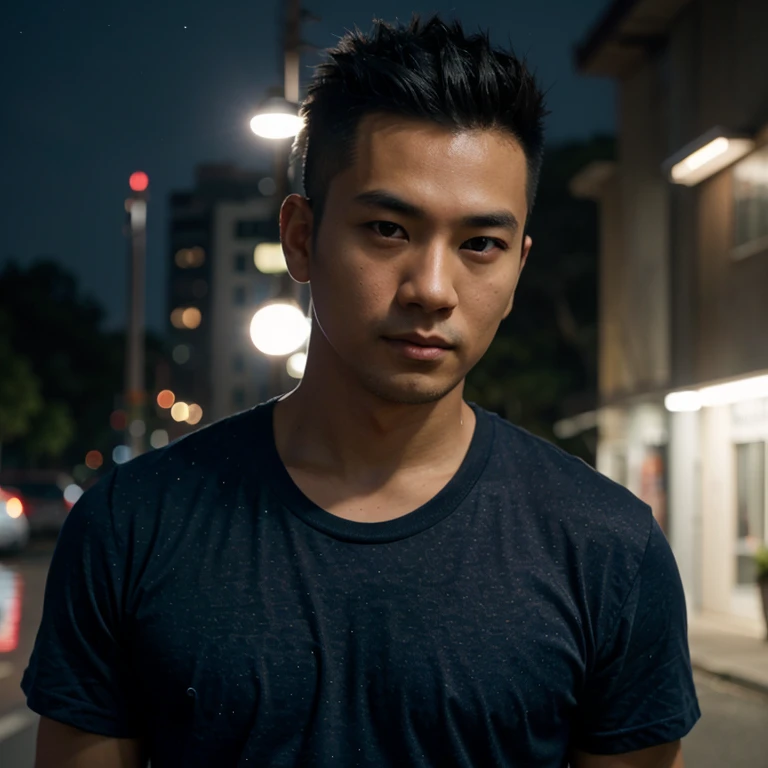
[200,601]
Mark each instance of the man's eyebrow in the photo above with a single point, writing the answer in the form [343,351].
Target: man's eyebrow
[378,198]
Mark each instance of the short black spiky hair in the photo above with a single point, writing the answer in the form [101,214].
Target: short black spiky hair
[428,70]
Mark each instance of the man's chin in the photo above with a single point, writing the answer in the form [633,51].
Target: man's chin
[420,390]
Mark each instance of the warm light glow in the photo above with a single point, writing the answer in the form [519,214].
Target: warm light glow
[195,414]
[189,258]
[159,438]
[93,459]
[715,155]
[682,402]
[296,365]
[191,317]
[279,329]
[728,393]
[14,508]
[166,398]
[138,181]
[753,388]
[186,317]
[701,157]
[276,125]
[269,258]
[180,411]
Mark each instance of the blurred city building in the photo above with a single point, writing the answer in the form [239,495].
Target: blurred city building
[683,415]
[214,288]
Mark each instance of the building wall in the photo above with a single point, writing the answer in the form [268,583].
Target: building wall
[235,388]
[727,42]
[613,363]
[644,196]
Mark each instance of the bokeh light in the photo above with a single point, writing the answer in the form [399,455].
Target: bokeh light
[93,459]
[138,181]
[181,354]
[137,428]
[72,493]
[14,507]
[159,438]
[279,329]
[118,420]
[180,411]
[195,414]
[121,454]
[296,364]
[166,398]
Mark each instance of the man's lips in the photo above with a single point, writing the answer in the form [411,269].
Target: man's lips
[417,347]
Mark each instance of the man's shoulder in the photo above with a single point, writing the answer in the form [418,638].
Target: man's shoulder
[223,449]
[565,488]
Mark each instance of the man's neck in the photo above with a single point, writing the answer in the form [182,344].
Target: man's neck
[350,434]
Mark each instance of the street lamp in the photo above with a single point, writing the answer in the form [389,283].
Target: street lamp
[277,118]
[279,328]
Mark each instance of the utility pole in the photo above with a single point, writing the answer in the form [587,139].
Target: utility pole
[135,395]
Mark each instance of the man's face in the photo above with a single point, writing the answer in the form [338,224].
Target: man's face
[418,256]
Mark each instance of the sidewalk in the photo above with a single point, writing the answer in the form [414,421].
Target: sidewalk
[736,654]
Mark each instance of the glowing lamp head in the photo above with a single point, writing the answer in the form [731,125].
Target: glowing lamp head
[138,181]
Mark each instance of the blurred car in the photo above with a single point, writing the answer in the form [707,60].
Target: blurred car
[42,494]
[14,526]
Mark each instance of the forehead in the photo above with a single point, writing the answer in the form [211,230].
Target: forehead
[440,169]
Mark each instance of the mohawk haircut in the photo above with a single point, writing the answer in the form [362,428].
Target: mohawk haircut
[428,70]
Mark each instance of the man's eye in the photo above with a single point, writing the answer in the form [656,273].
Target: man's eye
[385,228]
[484,244]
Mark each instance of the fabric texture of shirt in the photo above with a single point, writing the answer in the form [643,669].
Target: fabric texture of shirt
[198,600]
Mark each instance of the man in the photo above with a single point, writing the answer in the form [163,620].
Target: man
[370,571]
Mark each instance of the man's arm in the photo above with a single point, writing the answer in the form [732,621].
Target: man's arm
[62,746]
[664,756]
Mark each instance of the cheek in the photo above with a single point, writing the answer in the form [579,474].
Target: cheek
[487,304]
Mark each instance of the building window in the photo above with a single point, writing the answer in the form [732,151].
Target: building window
[189,258]
[241,262]
[255,228]
[750,508]
[186,317]
[750,204]
[239,295]
[238,398]
[238,364]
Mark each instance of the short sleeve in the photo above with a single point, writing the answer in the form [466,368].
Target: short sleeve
[641,693]
[77,673]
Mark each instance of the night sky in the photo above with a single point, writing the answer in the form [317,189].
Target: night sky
[92,91]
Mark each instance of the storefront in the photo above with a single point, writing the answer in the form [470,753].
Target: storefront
[700,460]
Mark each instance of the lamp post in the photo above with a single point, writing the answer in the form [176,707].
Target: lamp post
[280,322]
[136,209]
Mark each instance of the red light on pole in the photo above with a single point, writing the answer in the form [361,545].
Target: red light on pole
[139,181]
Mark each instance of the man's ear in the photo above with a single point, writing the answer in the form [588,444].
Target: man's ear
[527,243]
[296,227]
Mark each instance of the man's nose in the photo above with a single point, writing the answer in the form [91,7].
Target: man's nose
[428,281]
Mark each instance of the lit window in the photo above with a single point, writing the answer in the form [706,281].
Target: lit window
[750,205]
[189,258]
[750,508]
[186,317]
